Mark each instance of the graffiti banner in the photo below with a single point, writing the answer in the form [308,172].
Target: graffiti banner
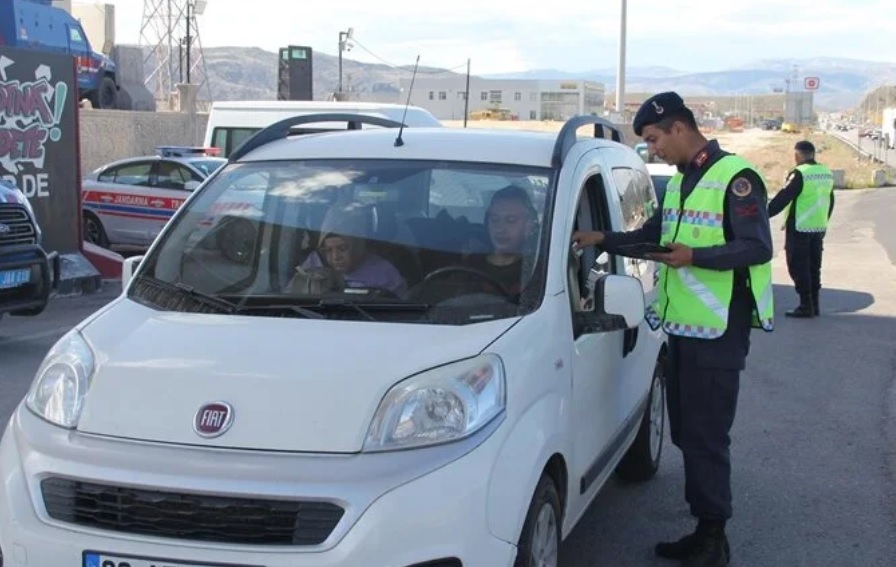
[39,140]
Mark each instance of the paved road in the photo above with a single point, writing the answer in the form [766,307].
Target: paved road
[814,464]
[873,147]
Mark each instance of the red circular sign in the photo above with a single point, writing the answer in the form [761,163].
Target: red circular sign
[811,83]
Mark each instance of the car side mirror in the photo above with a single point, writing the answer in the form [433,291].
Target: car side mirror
[128,269]
[191,185]
[619,305]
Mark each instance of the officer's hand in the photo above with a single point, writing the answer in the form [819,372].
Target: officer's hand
[582,239]
[679,257]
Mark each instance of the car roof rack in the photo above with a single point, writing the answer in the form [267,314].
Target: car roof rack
[280,130]
[567,136]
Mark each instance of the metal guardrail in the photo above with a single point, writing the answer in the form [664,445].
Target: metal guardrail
[882,154]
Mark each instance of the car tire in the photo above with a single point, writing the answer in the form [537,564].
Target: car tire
[94,231]
[539,542]
[106,95]
[642,460]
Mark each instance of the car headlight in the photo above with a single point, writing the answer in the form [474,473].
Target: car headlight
[440,405]
[62,381]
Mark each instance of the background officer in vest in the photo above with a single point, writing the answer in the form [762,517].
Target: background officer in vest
[714,286]
[809,197]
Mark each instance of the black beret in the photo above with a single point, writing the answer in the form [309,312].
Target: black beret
[805,146]
[657,108]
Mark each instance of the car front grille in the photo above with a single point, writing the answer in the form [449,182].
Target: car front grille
[16,226]
[186,516]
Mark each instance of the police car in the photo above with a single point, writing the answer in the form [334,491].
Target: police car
[126,203]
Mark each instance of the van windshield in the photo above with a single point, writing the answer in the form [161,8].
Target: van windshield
[370,240]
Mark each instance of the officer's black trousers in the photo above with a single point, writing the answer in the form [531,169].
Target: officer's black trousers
[804,251]
[701,397]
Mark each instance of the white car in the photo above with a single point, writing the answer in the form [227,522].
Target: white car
[217,413]
[660,174]
[126,203]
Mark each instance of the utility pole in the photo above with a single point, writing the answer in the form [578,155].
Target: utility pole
[344,38]
[620,73]
[189,39]
[467,95]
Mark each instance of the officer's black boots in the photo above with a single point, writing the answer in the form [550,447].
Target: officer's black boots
[816,311]
[805,309]
[706,547]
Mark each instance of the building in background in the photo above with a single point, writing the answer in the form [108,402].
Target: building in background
[752,109]
[508,99]
[98,20]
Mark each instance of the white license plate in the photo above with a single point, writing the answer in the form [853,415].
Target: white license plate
[14,278]
[96,559]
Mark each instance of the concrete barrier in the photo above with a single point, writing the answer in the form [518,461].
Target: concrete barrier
[839,178]
[108,135]
[878,178]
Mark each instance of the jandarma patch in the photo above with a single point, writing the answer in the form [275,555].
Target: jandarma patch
[741,187]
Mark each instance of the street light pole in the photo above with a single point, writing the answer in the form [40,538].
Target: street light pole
[189,39]
[341,48]
[344,38]
[620,74]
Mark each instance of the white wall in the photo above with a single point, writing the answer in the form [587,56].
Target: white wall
[98,21]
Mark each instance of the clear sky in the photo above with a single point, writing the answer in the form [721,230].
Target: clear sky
[518,35]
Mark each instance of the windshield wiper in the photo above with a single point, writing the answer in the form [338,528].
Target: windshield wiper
[297,309]
[221,305]
[365,307]
[201,297]
[347,303]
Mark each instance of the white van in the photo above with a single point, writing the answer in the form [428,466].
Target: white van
[411,365]
[230,123]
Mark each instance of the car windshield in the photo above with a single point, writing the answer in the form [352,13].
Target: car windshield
[414,241]
[208,165]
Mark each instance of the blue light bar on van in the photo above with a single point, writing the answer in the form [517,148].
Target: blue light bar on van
[187,151]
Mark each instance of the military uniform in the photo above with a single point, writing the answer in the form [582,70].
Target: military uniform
[717,206]
[808,198]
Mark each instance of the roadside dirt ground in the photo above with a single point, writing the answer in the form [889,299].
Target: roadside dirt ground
[770,150]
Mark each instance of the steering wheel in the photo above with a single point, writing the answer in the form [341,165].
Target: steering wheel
[441,272]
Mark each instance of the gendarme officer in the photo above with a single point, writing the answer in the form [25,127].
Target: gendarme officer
[809,196]
[714,286]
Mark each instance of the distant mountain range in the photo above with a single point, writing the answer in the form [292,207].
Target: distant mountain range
[843,82]
[239,73]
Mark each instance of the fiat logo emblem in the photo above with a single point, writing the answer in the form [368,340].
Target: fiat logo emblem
[213,420]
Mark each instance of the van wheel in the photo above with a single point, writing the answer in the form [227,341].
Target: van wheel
[642,460]
[94,232]
[539,544]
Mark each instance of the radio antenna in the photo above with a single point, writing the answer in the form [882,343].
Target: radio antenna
[398,141]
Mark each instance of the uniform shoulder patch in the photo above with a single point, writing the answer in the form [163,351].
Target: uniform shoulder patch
[741,187]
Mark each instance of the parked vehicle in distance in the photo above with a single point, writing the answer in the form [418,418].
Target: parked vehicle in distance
[126,203]
[38,25]
[230,123]
[28,273]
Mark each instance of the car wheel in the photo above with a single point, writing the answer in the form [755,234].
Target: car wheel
[94,232]
[642,460]
[539,544]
